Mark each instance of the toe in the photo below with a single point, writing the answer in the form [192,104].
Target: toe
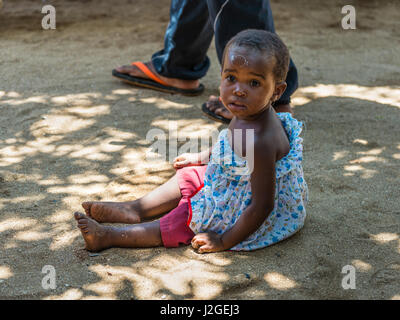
[79,215]
[213,103]
[87,205]
[222,111]
[219,111]
[83,226]
[121,69]
[125,69]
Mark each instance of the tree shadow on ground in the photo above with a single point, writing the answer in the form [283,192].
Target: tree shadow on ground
[78,136]
[57,164]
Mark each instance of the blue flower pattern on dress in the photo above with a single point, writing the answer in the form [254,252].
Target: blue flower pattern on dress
[227,192]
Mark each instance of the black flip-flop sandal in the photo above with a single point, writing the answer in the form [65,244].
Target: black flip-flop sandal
[154,83]
[212,115]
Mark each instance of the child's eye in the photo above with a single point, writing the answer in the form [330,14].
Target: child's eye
[230,78]
[254,83]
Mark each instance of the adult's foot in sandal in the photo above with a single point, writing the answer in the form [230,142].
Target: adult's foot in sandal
[215,105]
[173,82]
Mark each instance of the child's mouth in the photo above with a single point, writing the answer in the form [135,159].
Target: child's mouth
[236,106]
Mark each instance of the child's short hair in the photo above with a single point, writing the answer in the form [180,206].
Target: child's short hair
[267,42]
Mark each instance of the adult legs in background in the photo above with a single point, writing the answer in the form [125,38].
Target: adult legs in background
[183,61]
[234,17]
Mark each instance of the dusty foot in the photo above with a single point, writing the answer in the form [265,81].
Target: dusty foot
[173,82]
[111,212]
[216,106]
[95,235]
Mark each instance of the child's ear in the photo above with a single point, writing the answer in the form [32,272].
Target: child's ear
[279,90]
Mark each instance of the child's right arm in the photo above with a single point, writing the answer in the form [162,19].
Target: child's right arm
[192,159]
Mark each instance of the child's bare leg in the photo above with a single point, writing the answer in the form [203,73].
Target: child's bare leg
[161,200]
[98,237]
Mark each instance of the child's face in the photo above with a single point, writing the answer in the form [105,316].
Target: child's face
[247,83]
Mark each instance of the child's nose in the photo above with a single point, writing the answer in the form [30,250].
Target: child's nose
[239,91]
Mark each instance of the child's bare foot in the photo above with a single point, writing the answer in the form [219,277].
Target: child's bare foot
[173,82]
[95,235]
[111,212]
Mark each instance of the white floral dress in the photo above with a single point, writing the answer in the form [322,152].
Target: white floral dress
[226,192]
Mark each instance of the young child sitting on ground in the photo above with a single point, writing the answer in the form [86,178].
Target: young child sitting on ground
[226,197]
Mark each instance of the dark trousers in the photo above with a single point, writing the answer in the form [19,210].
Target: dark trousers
[192,26]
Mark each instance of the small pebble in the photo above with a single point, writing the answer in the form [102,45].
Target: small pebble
[93,254]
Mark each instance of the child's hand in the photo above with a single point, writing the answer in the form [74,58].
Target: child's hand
[207,242]
[187,159]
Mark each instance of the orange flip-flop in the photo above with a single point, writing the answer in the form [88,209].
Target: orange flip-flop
[154,82]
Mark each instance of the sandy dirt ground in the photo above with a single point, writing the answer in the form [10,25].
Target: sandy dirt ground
[69,132]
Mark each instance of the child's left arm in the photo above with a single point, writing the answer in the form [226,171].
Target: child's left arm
[263,194]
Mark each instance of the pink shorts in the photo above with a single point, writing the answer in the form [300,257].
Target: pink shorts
[174,225]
